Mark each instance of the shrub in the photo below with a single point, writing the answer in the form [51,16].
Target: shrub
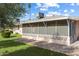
[6,33]
[18,35]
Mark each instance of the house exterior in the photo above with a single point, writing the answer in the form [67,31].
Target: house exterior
[55,29]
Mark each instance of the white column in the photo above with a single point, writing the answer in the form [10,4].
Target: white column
[37,36]
[68,39]
[21,29]
[56,29]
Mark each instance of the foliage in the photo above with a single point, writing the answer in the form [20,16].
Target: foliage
[6,33]
[9,12]
[17,35]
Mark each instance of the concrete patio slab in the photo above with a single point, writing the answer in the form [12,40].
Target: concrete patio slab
[69,50]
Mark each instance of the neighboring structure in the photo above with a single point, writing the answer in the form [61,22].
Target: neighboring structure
[54,29]
[17,28]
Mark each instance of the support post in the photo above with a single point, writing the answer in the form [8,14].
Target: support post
[37,36]
[68,39]
[21,30]
[45,24]
[56,29]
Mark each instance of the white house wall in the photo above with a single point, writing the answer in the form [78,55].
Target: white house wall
[52,32]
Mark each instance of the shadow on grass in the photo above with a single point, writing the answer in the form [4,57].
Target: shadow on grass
[9,43]
[12,36]
[35,51]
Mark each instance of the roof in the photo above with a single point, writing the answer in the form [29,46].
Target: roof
[51,18]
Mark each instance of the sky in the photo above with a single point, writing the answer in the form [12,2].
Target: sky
[65,9]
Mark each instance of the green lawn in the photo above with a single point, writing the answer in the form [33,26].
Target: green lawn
[9,47]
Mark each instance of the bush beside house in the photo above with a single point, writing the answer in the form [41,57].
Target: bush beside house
[6,33]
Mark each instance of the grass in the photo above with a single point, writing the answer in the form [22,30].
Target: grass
[9,47]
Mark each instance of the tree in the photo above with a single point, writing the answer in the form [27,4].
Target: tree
[29,7]
[9,12]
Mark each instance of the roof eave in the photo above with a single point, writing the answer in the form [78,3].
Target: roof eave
[42,20]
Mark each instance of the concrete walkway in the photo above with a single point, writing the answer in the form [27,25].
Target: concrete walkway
[69,50]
